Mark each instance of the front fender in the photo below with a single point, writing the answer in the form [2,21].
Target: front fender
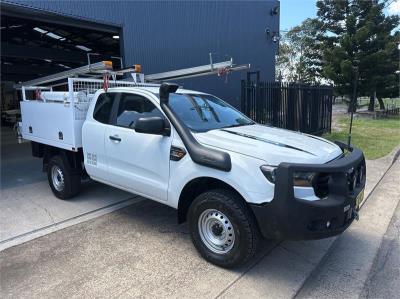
[245,177]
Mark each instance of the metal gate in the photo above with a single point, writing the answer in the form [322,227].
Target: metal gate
[293,106]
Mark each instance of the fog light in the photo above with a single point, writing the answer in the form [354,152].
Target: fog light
[328,224]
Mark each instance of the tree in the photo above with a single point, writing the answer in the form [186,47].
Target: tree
[378,49]
[337,42]
[357,37]
[299,58]
[305,41]
[285,62]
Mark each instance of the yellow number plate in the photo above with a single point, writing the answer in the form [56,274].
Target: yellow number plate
[359,199]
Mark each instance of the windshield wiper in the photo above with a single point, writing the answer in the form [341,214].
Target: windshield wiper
[209,107]
[196,107]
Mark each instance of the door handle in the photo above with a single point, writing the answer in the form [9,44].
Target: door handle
[115,138]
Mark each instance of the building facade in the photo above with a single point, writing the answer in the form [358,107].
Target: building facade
[168,35]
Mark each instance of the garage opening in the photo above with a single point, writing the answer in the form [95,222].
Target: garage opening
[36,43]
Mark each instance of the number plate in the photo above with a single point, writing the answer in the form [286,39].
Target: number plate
[359,199]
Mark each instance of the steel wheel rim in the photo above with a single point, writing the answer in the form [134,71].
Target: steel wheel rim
[216,231]
[57,178]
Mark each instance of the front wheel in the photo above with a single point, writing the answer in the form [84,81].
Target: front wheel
[62,181]
[222,228]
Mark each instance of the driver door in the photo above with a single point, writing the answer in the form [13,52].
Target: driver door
[136,161]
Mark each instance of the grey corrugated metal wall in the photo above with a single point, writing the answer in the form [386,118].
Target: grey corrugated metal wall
[166,35]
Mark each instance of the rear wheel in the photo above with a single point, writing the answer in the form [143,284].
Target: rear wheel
[223,230]
[63,182]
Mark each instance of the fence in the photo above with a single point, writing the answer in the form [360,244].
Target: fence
[298,107]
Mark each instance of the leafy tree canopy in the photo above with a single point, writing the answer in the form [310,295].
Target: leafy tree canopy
[358,37]
[299,58]
[349,39]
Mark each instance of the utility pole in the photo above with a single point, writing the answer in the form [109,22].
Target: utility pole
[353,102]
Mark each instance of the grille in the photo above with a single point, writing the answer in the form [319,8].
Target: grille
[355,177]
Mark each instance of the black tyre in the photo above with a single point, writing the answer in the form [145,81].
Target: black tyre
[62,181]
[223,229]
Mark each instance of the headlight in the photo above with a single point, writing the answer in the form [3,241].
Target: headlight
[300,179]
[303,179]
[269,172]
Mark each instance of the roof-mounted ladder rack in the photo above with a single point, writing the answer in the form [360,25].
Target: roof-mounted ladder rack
[105,67]
[204,70]
[97,68]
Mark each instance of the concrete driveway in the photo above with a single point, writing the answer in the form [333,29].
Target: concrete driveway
[28,209]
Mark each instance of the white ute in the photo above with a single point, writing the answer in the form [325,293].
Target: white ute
[232,179]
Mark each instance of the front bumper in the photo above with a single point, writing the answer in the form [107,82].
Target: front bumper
[287,217]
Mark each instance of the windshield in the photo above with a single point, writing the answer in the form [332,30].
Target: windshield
[202,112]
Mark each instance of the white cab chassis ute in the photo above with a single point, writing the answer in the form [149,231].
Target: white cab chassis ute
[232,179]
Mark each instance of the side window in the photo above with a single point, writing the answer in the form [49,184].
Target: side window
[102,110]
[131,107]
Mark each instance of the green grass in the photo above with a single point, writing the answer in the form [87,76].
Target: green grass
[376,137]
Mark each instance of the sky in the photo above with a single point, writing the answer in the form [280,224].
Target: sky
[293,12]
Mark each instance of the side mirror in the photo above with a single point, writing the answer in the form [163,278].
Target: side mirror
[151,125]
